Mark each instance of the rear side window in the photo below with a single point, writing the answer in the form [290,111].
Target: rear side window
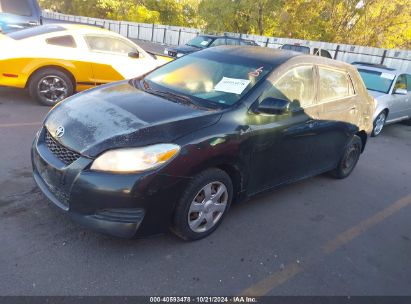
[16,7]
[334,84]
[65,41]
[232,42]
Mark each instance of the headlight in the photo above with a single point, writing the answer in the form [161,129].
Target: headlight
[166,52]
[135,159]
[180,55]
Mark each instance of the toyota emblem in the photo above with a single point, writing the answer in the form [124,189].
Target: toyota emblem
[60,132]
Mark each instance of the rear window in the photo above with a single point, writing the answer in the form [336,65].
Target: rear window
[16,7]
[296,48]
[65,41]
[35,31]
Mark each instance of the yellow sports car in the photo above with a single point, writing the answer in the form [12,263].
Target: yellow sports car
[54,61]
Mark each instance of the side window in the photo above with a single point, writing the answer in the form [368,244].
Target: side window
[232,42]
[16,7]
[322,53]
[334,84]
[65,41]
[408,82]
[219,41]
[109,45]
[296,86]
[401,82]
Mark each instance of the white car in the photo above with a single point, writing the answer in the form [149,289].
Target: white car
[392,91]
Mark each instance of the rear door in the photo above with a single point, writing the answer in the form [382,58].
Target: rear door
[19,14]
[338,117]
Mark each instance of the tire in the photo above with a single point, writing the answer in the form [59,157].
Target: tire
[407,122]
[50,86]
[195,217]
[349,159]
[379,123]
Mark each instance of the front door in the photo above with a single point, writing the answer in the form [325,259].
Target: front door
[399,99]
[282,144]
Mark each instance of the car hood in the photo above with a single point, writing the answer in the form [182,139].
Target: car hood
[376,94]
[185,49]
[119,115]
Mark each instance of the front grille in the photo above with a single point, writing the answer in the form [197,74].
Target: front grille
[62,153]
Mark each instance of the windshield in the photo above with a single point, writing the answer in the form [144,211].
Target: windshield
[377,81]
[200,42]
[212,77]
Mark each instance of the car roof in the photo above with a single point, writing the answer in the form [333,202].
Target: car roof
[222,36]
[270,56]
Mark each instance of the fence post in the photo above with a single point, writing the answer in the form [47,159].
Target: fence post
[152,34]
[266,43]
[336,51]
[138,31]
[164,36]
[128,30]
[383,56]
[179,37]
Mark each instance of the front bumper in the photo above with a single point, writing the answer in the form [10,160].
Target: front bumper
[119,205]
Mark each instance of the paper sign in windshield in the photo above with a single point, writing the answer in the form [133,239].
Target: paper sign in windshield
[387,76]
[205,42]
[232,85]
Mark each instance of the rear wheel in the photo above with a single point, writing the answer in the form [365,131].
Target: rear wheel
[349,159]
[379,123]
[50,86]
[203,205]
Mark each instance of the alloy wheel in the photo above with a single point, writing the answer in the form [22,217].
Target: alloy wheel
[52,88]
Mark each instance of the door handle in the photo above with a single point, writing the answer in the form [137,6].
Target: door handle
[311,124]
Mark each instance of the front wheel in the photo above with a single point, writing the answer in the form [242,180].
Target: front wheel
[203,205]
[379,123]
[349,159]
[50,86]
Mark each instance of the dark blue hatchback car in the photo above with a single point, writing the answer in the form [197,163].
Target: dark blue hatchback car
[19,14]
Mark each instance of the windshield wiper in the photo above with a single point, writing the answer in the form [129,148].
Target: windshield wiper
[172,96]
[196,46]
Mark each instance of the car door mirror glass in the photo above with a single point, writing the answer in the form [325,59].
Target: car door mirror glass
[399,91]
[273,106]
[134,54]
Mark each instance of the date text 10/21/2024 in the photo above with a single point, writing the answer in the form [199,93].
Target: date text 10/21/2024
[197,299]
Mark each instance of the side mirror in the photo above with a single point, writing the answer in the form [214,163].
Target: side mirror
[273,106]
[399,91]
[135,54]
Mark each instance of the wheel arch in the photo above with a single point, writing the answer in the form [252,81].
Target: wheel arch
[235,170]
[57,67]
[364,137]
